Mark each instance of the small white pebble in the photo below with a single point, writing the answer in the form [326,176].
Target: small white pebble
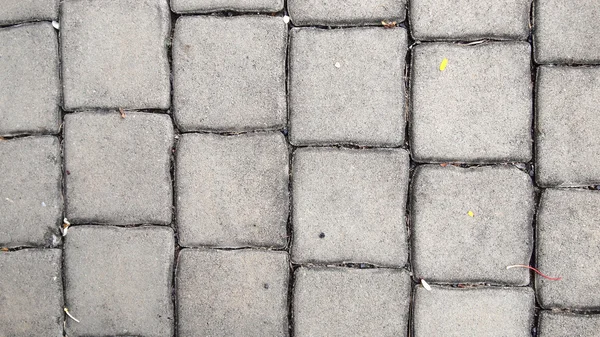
[9,200]
[337,65]
[425,285]
[286,19]
[43,204]
[55,24]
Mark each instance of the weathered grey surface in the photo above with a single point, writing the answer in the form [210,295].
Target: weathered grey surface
[114,54]
[455,312]
[31,200]
[567,246]
[347,86]
[346,12]
[478,109]
[118,281]
[232,293]
[469,19]
[29,86]
[31,293]
[349,206]
[566,31]
[229,73]
[207,6]
[351,302]
[567,124]
[14,11]
[232,191]
[451,246]
[557,324]
[118,169]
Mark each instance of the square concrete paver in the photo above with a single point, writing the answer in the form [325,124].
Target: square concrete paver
[347,12]
[567,121]
[31,201]
[566,31]
[232,293]
[207,6]
[350,302]
[229,73]
[114,54]
[30,84]
[556,324]
[118,169]
[118,281]
[31,293]
[469,19]
[567,246]
[478,109]
[469,224]
[347,86]
[349,206]
[232,191]
[14,11]
[489,311]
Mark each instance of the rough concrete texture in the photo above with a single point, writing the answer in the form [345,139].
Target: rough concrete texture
[14,11]
[118,169]
[478,109]
[207,6]
[114,54]
[566,31]
[485,311]
[31,201]
[347,86]
[232,191]
[229,73]
[557,324]
[349,206]
[118,281]
[346,12]
[31,293]
[567,246]
[29,87]
[568,147]
[469,19]
[451,245]
[232,293]
[351,302]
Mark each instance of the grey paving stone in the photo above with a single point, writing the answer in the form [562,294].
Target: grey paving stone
[232,293]
[206,6]
[348,12]
[31,200]
[556,324]
[118,169]
[14,11]
[351,302]
[478,109]
[118,281]
[455,312]
[469,19]
[450,245]
[114,54]
[229,73]
[347,86]
[30,85]
[567,247]
[232,191]
[31,293]
[566,31]
[568,146]
[349,206]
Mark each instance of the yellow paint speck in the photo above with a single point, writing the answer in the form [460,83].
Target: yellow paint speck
[471,214]
[443,64]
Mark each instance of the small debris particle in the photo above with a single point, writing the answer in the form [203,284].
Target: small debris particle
[443,64]
[69,314]
[388,24]
[4,249]
[9,200]
[471,214]
[337,65]
[322,235]
[535,270]
[286,19]
[266,286]
[122,112]
[68,172]
[444,164]
[43,204]
[425,285]
[65,227]
[56,25]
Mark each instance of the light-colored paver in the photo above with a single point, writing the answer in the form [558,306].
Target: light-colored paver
[31,293]
[469,224]
[15,11]
[229,73]
[567,121]
[347,86]
[29,84]
[207,6]
[556,324]
[232,293]
[118,281]
[478,109]
[31,201]
[567,246]
[349,206]
[118,169]
[346,12]
[114,54]
[232,191]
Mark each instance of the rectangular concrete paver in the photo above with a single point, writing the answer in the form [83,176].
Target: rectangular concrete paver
[207,6]
[557,324]
[15,11]
[346,12]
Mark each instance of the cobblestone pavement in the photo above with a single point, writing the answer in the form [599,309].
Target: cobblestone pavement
[299,168]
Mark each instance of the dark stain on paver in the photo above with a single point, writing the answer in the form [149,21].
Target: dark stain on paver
[322,235]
